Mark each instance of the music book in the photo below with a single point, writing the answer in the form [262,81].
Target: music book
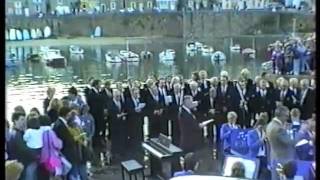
[141,105]
[207,122]
[302,142]
[168,99]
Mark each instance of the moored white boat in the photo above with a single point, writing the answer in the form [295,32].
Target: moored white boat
[53,57]
[112,58]
[198,45]
[249,52]
[167,55]
[235,48]
[267,65]
[75,50]
[129,56]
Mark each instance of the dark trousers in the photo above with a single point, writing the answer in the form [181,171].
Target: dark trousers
[264,173]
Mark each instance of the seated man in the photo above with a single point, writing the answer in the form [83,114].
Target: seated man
[238,170]
[189,166]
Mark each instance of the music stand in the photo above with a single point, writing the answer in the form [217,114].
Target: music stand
[251,166]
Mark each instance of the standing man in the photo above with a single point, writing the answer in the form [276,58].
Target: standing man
[95,102]
[282,146]
[190,129]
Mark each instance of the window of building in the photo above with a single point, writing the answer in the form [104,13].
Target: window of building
[149,4]
[18,4]
[37,1]
[103,8]
[38,9]
[60,1]
[10,11]
[18,11]
[113,5]
[133,5]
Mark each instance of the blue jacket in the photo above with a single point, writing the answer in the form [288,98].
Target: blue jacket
[303,151]
[225,135]
[254,143]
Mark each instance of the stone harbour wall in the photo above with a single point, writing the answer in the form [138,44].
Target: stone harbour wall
[204,24]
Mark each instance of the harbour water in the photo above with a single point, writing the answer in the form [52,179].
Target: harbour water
[26,84]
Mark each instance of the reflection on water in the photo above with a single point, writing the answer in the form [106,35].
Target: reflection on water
[26,84]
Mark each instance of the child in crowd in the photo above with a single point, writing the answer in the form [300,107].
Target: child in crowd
[33,136]
[87,124]
[189,165]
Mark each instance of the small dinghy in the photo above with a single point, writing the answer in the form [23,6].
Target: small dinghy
[249,52]
[198,45]
[12,35]
[33,34]
[113,58]
[218,56]
[167,55]
[267,66]
[129,56]
[35,58]
[12,61]
[26,34]
[75,50]
[97,32]
[235,48]
[46,32]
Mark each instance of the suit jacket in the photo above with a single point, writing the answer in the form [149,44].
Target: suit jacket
[288,98]
[106,96]
[225,100]
[70,148]
[204,89]
[297,96]
[174,105]
[191,133]
[254,142]
[265,104]
[151,104]
[96,103]
[307,104]
[282,146]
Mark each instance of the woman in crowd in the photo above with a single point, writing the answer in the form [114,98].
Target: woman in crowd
[53,109]
[50,93]
[87,124]
[278,59]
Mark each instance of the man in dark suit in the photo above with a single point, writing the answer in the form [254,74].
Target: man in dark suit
[209,105]
[134,121]
[163,93]
[118,120]
[294,87]
[282,146]
[223,101]
[191,131]
[106,95]
[70,147]
[96,104]
[307,100]
[244,74]
[87,89]
[284,95]
[204,83]
[265,100]
[177,97]
[198,96]
[242,100]
[153,109]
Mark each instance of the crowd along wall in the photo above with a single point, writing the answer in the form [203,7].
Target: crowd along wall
[204,24]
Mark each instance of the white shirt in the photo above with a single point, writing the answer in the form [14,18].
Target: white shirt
[187,109]
[283,94]
[64,121]
[262,151]
[263,92]
[118,104]
[95,90]
[33,138]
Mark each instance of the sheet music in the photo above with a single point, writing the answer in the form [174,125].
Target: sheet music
[207,122]
[302,142]
[141,105]
[168,99]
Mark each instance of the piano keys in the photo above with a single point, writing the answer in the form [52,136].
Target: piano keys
[164,157]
